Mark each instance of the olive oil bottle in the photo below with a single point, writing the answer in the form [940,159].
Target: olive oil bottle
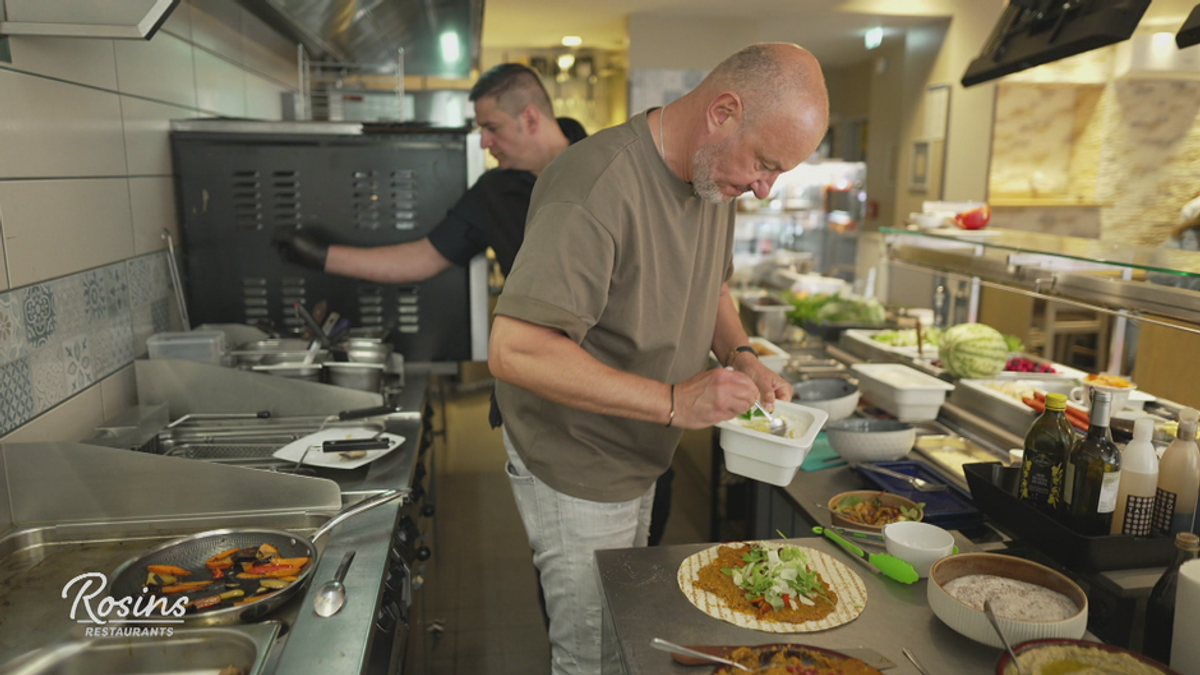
[1046,448]
[1093,474]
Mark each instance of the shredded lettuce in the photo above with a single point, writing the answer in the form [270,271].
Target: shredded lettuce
[771,574]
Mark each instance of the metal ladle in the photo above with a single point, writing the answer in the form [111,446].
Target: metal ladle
[332,594]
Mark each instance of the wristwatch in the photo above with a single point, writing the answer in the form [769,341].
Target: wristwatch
[733,354]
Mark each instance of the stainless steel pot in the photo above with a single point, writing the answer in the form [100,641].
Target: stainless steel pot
[364,376]
[192,552]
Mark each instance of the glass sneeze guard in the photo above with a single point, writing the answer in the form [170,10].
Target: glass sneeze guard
[1169,261]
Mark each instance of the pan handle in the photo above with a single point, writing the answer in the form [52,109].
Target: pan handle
[365,505]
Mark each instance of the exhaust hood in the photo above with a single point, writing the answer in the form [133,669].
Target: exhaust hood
[439,38]
[120,19]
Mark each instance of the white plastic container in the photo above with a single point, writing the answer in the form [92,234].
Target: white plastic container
[906,393]
[767,458]
[775,357]
[201,346]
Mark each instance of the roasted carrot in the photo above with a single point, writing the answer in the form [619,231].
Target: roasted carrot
[168,569]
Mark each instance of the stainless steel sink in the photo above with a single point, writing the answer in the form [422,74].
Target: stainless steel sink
[200,651]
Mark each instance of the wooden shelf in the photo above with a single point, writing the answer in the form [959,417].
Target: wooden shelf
[1040,202]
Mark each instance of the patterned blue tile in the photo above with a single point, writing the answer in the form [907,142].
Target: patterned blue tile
[69,307]
[77,355]
[141,285]
[12,326]
[143,328]
[100,340]
[48,375]
[16,405]
[95,296]
[160,278]
[122,340]
[38,312]
[160,315]
[118,289]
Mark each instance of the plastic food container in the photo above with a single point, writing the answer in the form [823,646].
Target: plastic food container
[767,458]
[201,346]
[907,393]
[772,355]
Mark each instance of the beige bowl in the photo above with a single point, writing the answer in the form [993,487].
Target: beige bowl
[886,498]
[974,624]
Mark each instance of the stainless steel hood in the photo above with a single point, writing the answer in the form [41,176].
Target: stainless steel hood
[438,37]
[120,19]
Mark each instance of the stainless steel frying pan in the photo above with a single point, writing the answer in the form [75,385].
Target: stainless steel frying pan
[192,552]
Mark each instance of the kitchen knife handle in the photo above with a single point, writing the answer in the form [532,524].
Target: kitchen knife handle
[355,444]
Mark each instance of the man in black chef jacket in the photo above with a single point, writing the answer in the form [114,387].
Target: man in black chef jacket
[517,125]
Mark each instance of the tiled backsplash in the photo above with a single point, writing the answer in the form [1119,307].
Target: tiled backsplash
[59,337]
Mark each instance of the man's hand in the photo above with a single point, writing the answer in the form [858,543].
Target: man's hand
[713,396]
[300,247]
[771,387]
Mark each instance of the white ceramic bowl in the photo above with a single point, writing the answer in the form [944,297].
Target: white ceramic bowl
[870,440]
[1120,395]
[771,459]
[974,624]
[919,544]
[834,395]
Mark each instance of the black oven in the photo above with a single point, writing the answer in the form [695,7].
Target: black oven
[353,183]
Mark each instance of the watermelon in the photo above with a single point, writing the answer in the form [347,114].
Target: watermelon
[973,350]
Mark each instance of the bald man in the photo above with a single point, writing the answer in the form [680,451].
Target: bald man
[618,294]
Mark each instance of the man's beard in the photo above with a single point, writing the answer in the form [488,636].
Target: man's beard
[705,164]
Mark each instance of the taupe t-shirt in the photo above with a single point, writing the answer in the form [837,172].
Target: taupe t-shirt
[624,258]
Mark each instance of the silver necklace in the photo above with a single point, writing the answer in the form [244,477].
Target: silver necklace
[662,139]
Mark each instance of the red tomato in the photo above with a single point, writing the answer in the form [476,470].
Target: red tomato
[975,219]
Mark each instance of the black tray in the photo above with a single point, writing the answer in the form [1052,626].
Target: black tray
[994,488]
[951,509]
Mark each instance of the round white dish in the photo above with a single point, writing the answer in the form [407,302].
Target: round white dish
[974,624]
[919,544]
[870,440]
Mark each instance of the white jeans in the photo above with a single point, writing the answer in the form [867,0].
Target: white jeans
[564,533]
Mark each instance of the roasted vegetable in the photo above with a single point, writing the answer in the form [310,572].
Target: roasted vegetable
[213,600]
[168,569]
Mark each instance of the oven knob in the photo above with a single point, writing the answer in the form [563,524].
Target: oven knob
[423,553]
[388,616]
[407,531]
[396,576]
[428,510]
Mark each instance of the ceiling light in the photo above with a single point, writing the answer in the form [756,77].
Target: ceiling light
[566,61]
[873,38]
[572,41]
[450,47]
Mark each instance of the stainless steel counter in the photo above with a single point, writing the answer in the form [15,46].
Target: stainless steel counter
[72,508]
[642,600]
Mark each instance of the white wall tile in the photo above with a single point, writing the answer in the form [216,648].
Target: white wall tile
[53,129]
[85,61]
[147,134]
[263,98]
[75,419]
[152,201]
[160,69]
[179,23]
[216,25]
[57,227]
[220,85]
[119,391]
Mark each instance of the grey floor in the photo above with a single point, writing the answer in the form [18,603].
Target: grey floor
[480,587]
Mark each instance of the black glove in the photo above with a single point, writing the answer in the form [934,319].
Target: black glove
[300,247]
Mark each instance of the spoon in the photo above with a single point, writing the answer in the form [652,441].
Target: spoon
[987,609]
[659,643]
[332,594]
[777,425]
[919,483]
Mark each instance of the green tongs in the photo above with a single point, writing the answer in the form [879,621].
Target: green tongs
[891,566]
